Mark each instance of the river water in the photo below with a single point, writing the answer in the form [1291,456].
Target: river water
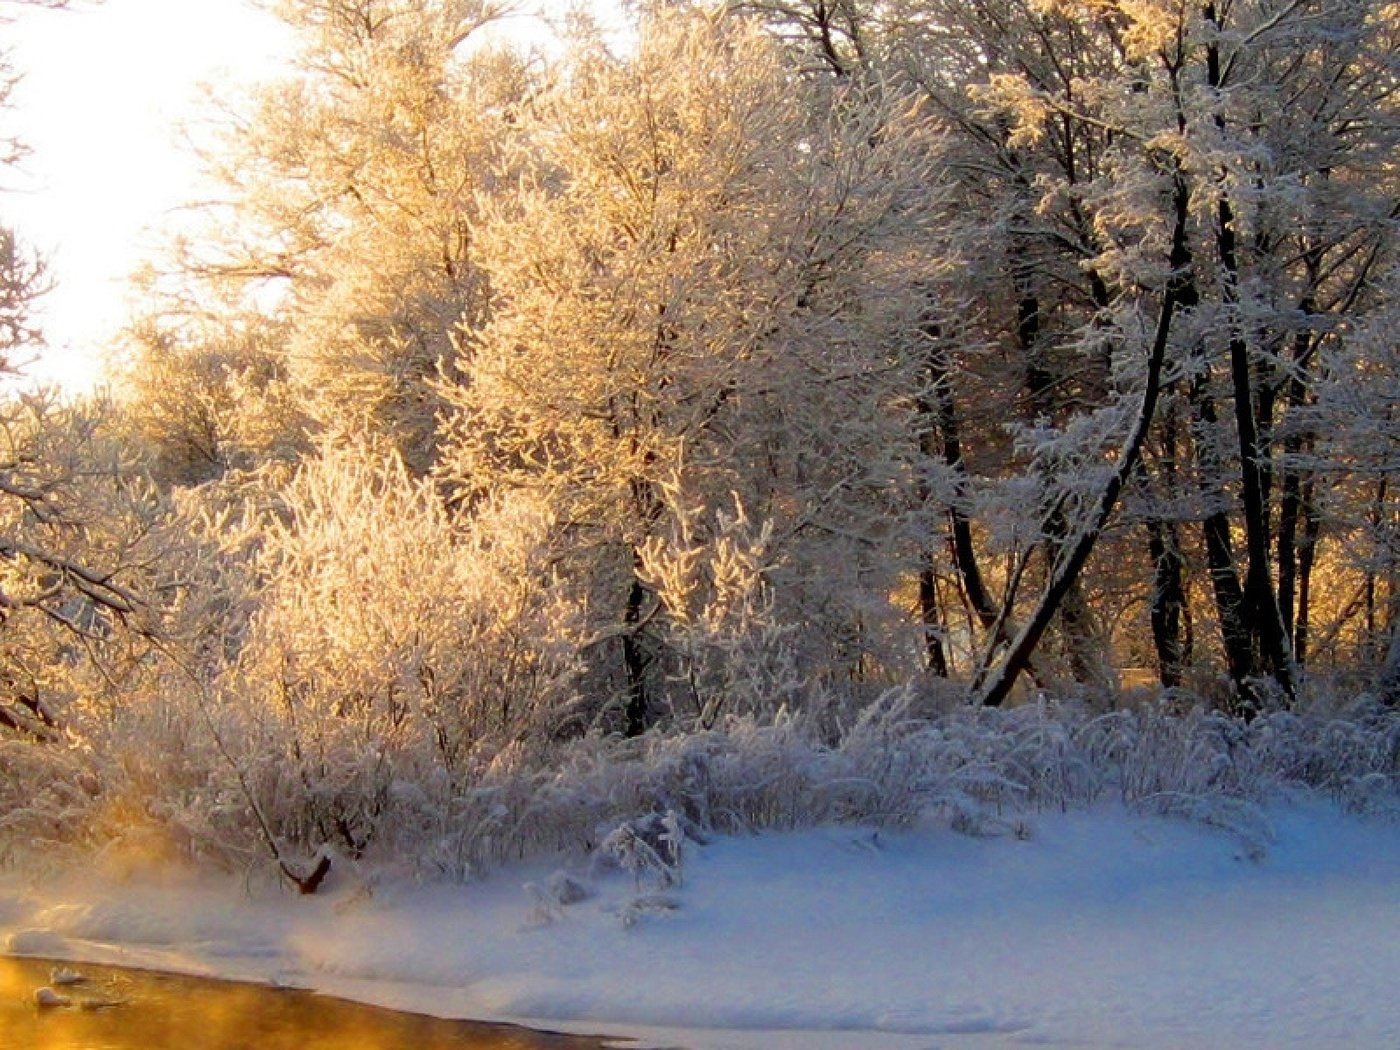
[119,1009]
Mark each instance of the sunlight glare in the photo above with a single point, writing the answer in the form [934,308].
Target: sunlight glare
[104,89]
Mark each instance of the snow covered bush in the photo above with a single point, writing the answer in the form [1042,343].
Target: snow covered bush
[641,801]
[50,797]
[981,771]
[393,644]
[733,653]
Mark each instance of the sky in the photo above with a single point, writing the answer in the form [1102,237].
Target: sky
[105,89]
[107,86]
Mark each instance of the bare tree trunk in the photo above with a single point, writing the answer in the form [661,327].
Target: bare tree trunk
[929,416]
[1075,619]
[637,654]
[1290,511]
[941,412]
[1307,558]
[636,661]
[1295,442]
[1298,529]
[1237,640]
[1168,612]
[1168,601]
[1235,636]
[1261,602]
[1068,566]
[932,617]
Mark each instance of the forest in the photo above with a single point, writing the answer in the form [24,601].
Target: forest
[779,411]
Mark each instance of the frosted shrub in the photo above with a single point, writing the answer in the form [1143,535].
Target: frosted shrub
[733,655]
[983,771]
[649,849]
[49,796]
[318,779]
[392,644]
[1353,755]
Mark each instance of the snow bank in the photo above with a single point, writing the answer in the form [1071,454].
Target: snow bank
[1085,928]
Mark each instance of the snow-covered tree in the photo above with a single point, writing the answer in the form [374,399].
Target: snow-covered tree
[75,514]
[705,291]
[1071,125]
[352,189]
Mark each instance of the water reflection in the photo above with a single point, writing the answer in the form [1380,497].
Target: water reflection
[116,1009]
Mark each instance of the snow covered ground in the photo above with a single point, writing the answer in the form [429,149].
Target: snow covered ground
[1091,928]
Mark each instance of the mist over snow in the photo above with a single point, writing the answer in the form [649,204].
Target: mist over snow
[1083,929]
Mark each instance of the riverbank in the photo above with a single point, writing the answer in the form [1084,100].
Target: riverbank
[114,1008]
[1081,929]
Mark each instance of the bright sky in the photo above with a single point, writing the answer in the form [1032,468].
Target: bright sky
[106,87]
[104,90]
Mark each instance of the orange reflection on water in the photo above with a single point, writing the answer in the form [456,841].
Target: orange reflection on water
[138,1010]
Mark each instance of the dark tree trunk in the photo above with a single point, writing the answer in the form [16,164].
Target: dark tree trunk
[1307,558]
[932,618]
[1235,635]
[1375,518]
[1290,510]
[930,427]
[1261,602]
[1297,482]
[1290,516]
[1236,639]
[1072,560]
[1168,613]
[1075,619]
[1168,601]
[941,412]
[636,661]
[311,882]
